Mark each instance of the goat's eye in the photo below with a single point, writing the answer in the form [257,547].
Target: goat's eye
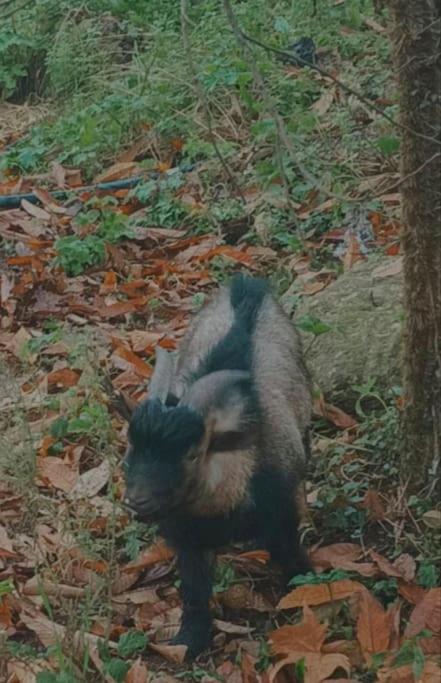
[192,456]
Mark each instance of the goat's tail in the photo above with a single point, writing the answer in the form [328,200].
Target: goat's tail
[247,295]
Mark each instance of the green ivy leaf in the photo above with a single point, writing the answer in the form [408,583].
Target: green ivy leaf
[132,642]
[310,323]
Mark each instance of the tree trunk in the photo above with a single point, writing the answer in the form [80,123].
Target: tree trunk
[418,67]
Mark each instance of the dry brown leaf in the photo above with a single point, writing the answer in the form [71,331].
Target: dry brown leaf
[320,594]
[350,648]
[127,360]
[374,626]
[262,556]
[232,629]
[374,25]
[374,506]
[142,340]
[332,556]
[5,541]
[308,636]
[54,472]
[432,519]
[394,266]
[157,552]
[138,673]
[242,596]
[173,653]
[324,102]
[20,671]
[411,592]
[353,253]
[65,377]
[49,633]
[318,667]
[34,210]
[406,565]
[37,586]
[404,674]
[335,415]
[16,344]
[122,169]
[427,615]
[91,482]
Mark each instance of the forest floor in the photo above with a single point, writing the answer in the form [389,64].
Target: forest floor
[91,281]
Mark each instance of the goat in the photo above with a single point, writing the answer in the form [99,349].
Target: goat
[217,452]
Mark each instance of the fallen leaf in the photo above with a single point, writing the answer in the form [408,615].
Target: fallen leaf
[308,636]
[262,556]
[109,282]
[427,615]
[350,648]
[324,102]
[37,586]
[157,552]
[374,626]
[242,596]
[53,471]
[332,556]
[5,541]
[65,378]
[34,210]
[411,592]
[91,482]
[142,340]
[130,361]
[353,252]
[373,504]
[48,632]
[319,594]
[59,174]
[16,344]
[138,673]
[406,565]
[432,519]
[6,287]
[317,666]
[173,653]
[431,673]
[394,266]
[232,629]
[122,169]
[374,25]
[335,415]
[5,612]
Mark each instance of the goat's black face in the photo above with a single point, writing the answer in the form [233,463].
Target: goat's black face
[164,445]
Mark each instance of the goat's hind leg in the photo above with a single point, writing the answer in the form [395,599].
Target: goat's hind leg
[279,519]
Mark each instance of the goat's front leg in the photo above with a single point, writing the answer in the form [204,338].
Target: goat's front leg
[195,568]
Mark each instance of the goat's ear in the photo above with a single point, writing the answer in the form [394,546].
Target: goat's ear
[162,378]
[121,401]
[233,425]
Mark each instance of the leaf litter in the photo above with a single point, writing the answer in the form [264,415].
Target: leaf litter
[108,320]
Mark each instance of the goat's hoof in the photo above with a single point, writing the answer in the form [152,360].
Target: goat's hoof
[197,638]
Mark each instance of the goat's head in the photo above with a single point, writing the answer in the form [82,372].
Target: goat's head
[170,447]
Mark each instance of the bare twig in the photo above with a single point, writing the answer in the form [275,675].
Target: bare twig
[415,172]
[280,124]
[202,98]
[327,74]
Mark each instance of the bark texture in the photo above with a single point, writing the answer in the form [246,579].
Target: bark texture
[418,68]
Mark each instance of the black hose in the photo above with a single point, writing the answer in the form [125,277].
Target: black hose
[13,201]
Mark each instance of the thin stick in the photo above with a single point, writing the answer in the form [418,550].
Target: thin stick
[280,124]
[202,98]
[327,74]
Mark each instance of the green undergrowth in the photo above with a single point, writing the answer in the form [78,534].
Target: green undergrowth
[116,71]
